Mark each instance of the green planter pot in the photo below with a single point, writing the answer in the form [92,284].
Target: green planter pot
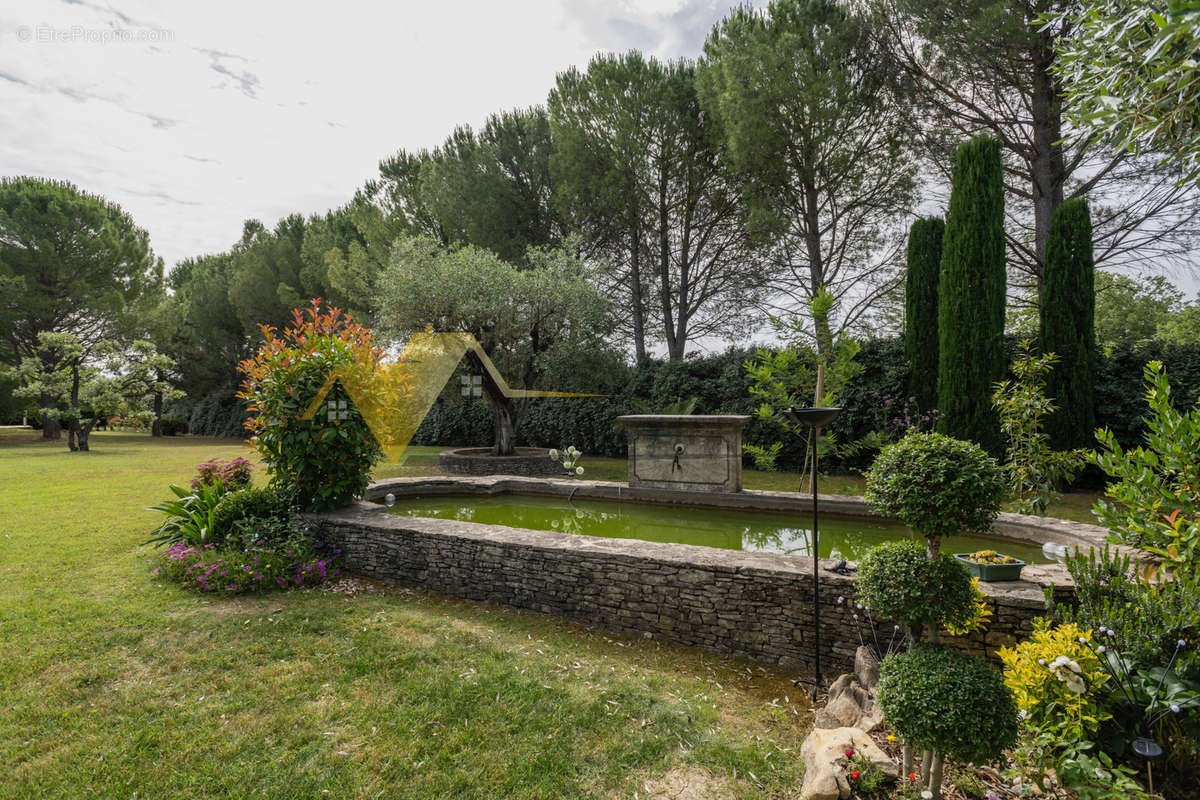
[992,572]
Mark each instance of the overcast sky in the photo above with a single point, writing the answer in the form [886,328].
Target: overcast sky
[195,116]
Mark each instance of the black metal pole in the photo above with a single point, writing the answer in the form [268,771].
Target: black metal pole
[816,543]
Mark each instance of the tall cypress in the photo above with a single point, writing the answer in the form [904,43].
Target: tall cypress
[1068,325]
[921,309]
[971,296]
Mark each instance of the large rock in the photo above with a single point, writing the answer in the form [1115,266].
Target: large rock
[866,667]
[849,705]
[824,756]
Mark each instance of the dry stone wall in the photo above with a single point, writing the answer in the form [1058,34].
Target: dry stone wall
[753,605]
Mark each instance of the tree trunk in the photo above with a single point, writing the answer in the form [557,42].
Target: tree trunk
[156,426]
[1047,166]
[933,546]
[935,775]
[77,436]
[635,294]
[674,347]
[51,428]
[926,762]
[504,414]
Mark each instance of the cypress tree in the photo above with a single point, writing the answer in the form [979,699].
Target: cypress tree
[921,309]
[1068,325]
[971,299]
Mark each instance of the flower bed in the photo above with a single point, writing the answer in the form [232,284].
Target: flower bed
[209,568]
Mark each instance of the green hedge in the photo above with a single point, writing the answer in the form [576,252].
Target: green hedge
[720,384]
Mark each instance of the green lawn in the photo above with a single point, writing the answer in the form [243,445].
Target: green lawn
[113,685]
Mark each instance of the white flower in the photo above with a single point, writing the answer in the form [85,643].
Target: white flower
[1068,671]
[841,600]
[554,454]
[1174,708]
[927,795]
[572,451]
[579,470]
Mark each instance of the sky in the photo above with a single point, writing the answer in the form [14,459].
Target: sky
[197,116]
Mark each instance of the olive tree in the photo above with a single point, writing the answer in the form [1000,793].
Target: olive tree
[522,318]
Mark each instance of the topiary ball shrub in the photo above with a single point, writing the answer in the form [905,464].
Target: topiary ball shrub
[898,581]
[936,485]
[261,503]
[937,698]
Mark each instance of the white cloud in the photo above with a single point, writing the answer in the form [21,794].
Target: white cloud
[197,116]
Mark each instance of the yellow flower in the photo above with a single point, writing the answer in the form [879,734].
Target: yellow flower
[891,737]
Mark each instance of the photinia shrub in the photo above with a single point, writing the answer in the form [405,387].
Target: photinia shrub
[326,460]
[1153,495]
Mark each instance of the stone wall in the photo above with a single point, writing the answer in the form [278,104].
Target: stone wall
[528,462]
[754,605]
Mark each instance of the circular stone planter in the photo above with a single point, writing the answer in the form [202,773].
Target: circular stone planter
[534,462]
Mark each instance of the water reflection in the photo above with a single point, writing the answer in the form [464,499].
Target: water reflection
[731,530]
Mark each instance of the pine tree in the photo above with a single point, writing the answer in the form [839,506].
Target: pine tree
[971,296]
[1068,325]
[921,309]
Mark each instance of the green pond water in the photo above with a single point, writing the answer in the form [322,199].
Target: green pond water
[759,531]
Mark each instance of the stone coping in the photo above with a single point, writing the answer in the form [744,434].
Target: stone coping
[1015,527]
[688,420]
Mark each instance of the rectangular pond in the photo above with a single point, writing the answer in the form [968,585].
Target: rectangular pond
[755,531]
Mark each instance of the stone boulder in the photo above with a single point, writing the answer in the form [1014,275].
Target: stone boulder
[866,668]
[824,757]
[849,705]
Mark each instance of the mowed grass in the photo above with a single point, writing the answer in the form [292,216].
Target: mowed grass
[115,685]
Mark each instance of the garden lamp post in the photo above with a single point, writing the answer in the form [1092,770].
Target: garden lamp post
[814,419]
